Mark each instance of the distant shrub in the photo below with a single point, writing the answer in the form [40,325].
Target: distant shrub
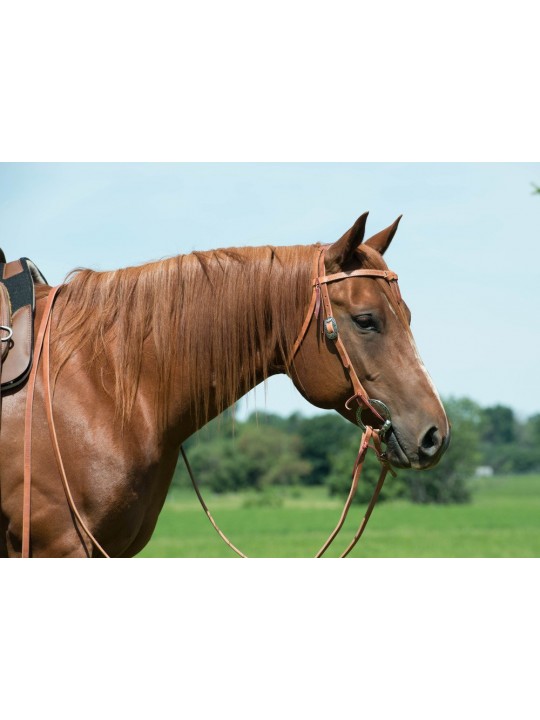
[264,499]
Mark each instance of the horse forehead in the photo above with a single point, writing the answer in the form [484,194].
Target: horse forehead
[356,290]
[376,260]
[365,289]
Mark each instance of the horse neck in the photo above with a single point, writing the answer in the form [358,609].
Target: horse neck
[243,309]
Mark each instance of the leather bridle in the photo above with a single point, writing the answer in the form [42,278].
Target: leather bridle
[328,327]
[320,299]
[372,438]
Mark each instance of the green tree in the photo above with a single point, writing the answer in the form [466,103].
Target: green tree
[508,445]
[288,424]
[323,438]
[520,456]
[217,465]
[252,457]
[273,456]
[532,431]
[498,425]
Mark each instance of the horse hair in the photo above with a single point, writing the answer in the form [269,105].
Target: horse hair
[224,314]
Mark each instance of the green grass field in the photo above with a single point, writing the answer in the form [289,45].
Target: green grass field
[503,520]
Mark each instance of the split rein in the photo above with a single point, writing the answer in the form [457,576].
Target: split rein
[372,438]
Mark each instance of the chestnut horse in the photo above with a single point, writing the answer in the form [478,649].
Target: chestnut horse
[143,357]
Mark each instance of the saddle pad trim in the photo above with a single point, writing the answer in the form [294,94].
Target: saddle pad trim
[18,280]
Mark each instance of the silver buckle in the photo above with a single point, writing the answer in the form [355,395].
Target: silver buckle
[9,333]
[333,333]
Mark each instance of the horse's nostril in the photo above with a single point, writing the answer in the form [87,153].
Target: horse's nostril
[431,442]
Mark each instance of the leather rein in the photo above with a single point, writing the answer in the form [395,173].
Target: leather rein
[372,438]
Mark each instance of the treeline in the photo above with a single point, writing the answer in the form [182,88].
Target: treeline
[268,450]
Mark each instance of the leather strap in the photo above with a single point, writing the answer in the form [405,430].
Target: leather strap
[27,476]
[6,331]
[205,507]
[313,309]
[385,274]
[43,345]
[54,441]
[385,469]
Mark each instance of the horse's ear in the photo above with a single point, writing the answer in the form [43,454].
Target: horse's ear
[343,249]
[382,240]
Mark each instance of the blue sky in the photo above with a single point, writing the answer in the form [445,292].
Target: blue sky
[467,251]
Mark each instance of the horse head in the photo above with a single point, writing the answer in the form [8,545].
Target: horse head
[373,323]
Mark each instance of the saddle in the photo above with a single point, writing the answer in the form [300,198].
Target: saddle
[17,308]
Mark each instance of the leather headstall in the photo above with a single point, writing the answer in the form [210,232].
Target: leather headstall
[329,328]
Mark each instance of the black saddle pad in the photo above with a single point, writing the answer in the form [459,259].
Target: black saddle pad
[22,275]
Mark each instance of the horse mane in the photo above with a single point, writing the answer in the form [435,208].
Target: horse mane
[222,316]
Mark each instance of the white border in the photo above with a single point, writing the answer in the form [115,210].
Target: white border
[293,80]
[281,81]
[271,638]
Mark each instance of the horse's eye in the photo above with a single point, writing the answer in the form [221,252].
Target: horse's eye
[366,322]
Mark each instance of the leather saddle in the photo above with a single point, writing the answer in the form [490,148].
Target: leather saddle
[17,308]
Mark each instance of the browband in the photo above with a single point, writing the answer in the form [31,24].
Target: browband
[386,274]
